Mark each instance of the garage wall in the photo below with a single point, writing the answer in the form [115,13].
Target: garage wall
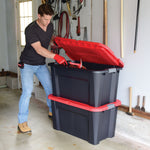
[136,70]
[3,38]
[11,35]
[8,49]
[8,52]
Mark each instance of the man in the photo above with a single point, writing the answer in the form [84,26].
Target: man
[32,61]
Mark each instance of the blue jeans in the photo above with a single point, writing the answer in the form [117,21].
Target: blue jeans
[43,74]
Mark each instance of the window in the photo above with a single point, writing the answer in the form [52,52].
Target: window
[25,16]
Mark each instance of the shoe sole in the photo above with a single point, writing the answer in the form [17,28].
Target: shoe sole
[24,132]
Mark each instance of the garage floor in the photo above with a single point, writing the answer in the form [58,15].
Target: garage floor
[132,133]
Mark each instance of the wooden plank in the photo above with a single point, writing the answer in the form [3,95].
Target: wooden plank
[12,74]
[135,111]
[8,73]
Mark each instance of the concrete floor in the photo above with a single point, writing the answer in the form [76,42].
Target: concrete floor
[132,133]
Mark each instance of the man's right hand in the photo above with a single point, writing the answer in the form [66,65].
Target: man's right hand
[60,59]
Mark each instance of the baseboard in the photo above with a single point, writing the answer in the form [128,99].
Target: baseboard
[135,111]
[8,73]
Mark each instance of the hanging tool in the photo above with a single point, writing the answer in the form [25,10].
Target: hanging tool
[68,7]
[64,1]
[78,27]
[80,4]
[85,38]
[60,25]
[47,1]
[121,28]
[138,103]
[74,17]
[105,23]
[136,28]
[130,102]
[55,7]
[43,1]
[84,3]
[59,7]
[143,104]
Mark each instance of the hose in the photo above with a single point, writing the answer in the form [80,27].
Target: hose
[60,25]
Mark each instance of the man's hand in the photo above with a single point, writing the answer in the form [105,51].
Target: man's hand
[60,59]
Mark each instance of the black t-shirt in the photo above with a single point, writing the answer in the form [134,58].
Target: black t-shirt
[34,33]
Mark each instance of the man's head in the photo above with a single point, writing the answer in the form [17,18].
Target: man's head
[45,9]
[45,13]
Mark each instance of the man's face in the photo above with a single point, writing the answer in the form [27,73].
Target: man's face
[45,19]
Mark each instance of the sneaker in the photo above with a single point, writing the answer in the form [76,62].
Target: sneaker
[50,114]
[23,127]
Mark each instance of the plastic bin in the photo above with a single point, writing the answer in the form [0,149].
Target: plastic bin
[97,84]
[92,124]
[87,86]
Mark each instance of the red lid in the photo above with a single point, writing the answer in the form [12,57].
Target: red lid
[88,51]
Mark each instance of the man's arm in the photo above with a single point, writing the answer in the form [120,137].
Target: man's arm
[46,53]
[52,40]
[42,51]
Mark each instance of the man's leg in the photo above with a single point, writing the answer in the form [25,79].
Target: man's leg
[27,87]
[44,77]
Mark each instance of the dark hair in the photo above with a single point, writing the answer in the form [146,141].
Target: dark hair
[45,9]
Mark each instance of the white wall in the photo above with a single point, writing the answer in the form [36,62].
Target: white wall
[35,4]
[8,55]
[8,49]
[11,35]
[136,71]
[3,37]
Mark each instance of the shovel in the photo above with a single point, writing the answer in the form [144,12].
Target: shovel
[143,104]
[138,103]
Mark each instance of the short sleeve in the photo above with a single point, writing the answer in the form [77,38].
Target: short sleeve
[31,36]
